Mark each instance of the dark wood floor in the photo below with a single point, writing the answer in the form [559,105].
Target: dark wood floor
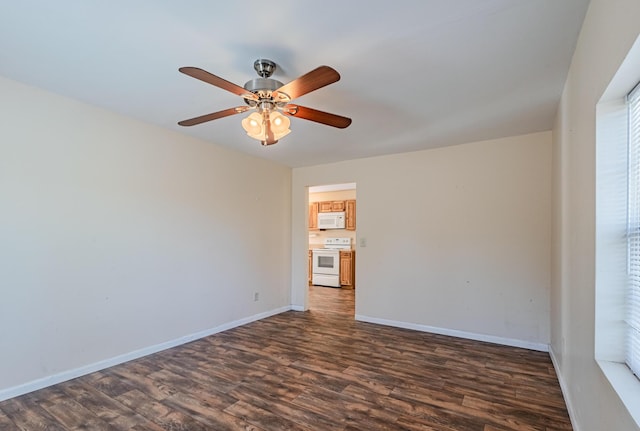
[317,370]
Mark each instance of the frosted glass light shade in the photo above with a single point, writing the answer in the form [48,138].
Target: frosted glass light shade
[255,127]
[279,124]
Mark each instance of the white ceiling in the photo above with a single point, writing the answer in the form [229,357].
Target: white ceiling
[415,74]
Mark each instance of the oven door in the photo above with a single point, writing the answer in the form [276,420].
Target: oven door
[326,262]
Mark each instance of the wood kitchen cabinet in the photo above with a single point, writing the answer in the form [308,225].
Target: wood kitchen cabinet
[350,214]
[331,206]
[347,268]
[348,207]
[313,215]
[310,265]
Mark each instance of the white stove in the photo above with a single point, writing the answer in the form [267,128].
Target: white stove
[326,262]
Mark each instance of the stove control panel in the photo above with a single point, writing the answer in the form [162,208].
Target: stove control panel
[342,243]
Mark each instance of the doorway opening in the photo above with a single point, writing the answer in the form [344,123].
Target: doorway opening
[331,248]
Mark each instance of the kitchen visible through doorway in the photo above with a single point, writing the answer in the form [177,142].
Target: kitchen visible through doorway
[332,247]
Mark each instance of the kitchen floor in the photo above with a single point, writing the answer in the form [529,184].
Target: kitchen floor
[332,300]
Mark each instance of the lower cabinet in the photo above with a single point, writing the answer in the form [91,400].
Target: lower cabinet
[347,268]
[310,265]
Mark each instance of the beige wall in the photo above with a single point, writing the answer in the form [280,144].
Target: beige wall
[118,237]
[609,30]
[316,238]
[457,238]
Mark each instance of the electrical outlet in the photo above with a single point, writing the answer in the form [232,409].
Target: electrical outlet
[363,242]
[256,296]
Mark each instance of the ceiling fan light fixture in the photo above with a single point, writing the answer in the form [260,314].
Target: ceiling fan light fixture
[254,125]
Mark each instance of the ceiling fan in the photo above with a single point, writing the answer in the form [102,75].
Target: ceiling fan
[270,99]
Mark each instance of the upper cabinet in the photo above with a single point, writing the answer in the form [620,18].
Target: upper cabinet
[350,214]
[331,206]
[313,215]
[348,206]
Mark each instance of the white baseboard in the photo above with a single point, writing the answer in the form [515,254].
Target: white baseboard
[564,389]
[297,308]
[34,385]
[541,347]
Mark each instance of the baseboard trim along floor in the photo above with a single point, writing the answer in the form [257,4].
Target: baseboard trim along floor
[64,376]
[541,347]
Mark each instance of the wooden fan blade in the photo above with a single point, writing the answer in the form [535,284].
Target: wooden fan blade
[214,116]
[212,79]
[317,78]
[317,116]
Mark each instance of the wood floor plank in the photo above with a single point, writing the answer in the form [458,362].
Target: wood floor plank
[109,383]
[104,407]
[160,413]
[179,385]
[27,415]
[73,416]
[6,424]
[264,418]
[283,407]
[341,407]
[431,418]
[202,407]
[317,370]
[540,417]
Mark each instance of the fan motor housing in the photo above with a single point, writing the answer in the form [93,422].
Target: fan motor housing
[262,84]
[262,87]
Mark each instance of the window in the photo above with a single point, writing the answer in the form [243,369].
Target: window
[632,352]
[617,224]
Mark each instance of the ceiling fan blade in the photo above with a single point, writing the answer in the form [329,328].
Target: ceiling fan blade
[214,116]
[317,78]
[212,79]
[317,116]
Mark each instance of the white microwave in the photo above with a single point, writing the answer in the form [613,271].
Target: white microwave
[332,220]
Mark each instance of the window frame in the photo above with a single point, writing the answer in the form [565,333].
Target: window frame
[611,163]
[632,300]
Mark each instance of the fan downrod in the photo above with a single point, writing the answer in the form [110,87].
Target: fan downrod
[264,68]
